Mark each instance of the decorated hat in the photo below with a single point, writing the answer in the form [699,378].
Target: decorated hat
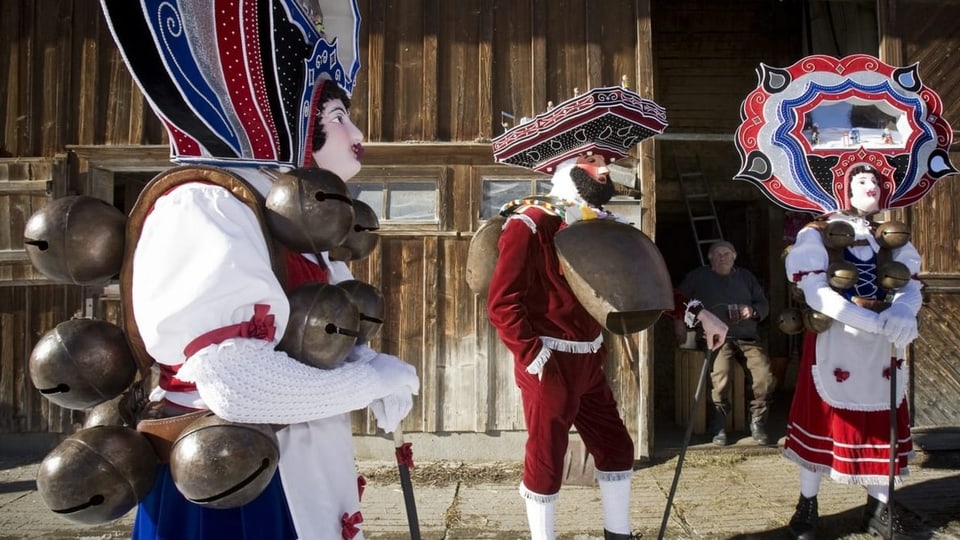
[606,121]
[806,127]
[233,81]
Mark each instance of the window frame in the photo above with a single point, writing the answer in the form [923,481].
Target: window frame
[387,174]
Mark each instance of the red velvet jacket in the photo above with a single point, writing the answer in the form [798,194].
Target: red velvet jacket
[528,295]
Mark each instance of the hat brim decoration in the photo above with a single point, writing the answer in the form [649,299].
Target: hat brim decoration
[805,126]
[233,80]
[606,121]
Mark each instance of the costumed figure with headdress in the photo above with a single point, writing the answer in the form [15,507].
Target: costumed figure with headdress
[855,280]
[555,335]
[228,266]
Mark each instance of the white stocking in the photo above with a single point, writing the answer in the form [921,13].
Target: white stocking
[879,493]
[809,482]
[541,511]
[615,494]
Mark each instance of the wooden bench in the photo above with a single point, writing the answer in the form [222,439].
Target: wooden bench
[689,363]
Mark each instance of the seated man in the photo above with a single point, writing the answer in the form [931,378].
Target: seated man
[734,295]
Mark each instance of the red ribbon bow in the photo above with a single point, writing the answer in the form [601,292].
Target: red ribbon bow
[405,455]
[261,325]
[349,524]
[841,374]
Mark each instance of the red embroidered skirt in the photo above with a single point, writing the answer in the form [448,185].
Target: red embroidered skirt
[853,447]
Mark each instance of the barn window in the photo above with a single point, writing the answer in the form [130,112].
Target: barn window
[400,196]
[495,192]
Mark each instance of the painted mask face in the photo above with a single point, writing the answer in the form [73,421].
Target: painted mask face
[865,193]
[341,151]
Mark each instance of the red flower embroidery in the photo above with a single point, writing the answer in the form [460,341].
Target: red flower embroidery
[349,524]
[841,375]
[886,370]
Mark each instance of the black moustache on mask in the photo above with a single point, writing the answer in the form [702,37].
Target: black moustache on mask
[591,191]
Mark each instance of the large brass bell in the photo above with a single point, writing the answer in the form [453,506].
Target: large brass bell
[892,234]
[482,255]
[842,275]
[893,275]
[81,363]
[118,411]
[324,325]
[309,210]
[76,239]
[838,235]
[815,321]
[221,464]
[616,272]
[794,291]
[361,240]
[790,321]
[369,301]
[97,474]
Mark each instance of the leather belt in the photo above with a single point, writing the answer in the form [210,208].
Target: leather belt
[162,432]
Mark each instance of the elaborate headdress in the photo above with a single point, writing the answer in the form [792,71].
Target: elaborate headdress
[806,127]
[605,121]
[235,81]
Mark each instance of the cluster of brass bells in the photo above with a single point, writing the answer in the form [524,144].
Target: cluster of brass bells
[102,471]
[842,275]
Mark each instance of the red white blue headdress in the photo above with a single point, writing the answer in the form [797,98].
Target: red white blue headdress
[806,126]
[604,121]
[234,81]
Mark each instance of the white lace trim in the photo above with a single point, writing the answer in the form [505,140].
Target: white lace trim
[534,496]
[576,347]
[613,476]
[561,345]
[527,220]
[854,480]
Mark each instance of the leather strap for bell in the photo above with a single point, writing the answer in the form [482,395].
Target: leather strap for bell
[162,432]
[869,303]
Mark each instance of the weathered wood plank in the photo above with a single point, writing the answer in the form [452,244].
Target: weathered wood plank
[566,41]
[460,67]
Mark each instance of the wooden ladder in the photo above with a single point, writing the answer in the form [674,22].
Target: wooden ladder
[700,208]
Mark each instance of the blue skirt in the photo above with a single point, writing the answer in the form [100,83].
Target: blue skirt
[165,514]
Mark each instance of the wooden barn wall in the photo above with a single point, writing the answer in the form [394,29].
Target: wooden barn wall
[26,314]
[930,36]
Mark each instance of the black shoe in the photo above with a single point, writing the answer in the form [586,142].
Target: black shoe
[607,535]
[720,438]
[803,524]
[718,424]
[876,520]
[757,430]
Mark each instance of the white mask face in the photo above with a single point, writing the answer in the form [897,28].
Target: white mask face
[341,151]
[865,193]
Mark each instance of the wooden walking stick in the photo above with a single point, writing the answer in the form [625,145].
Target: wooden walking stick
[404,453]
